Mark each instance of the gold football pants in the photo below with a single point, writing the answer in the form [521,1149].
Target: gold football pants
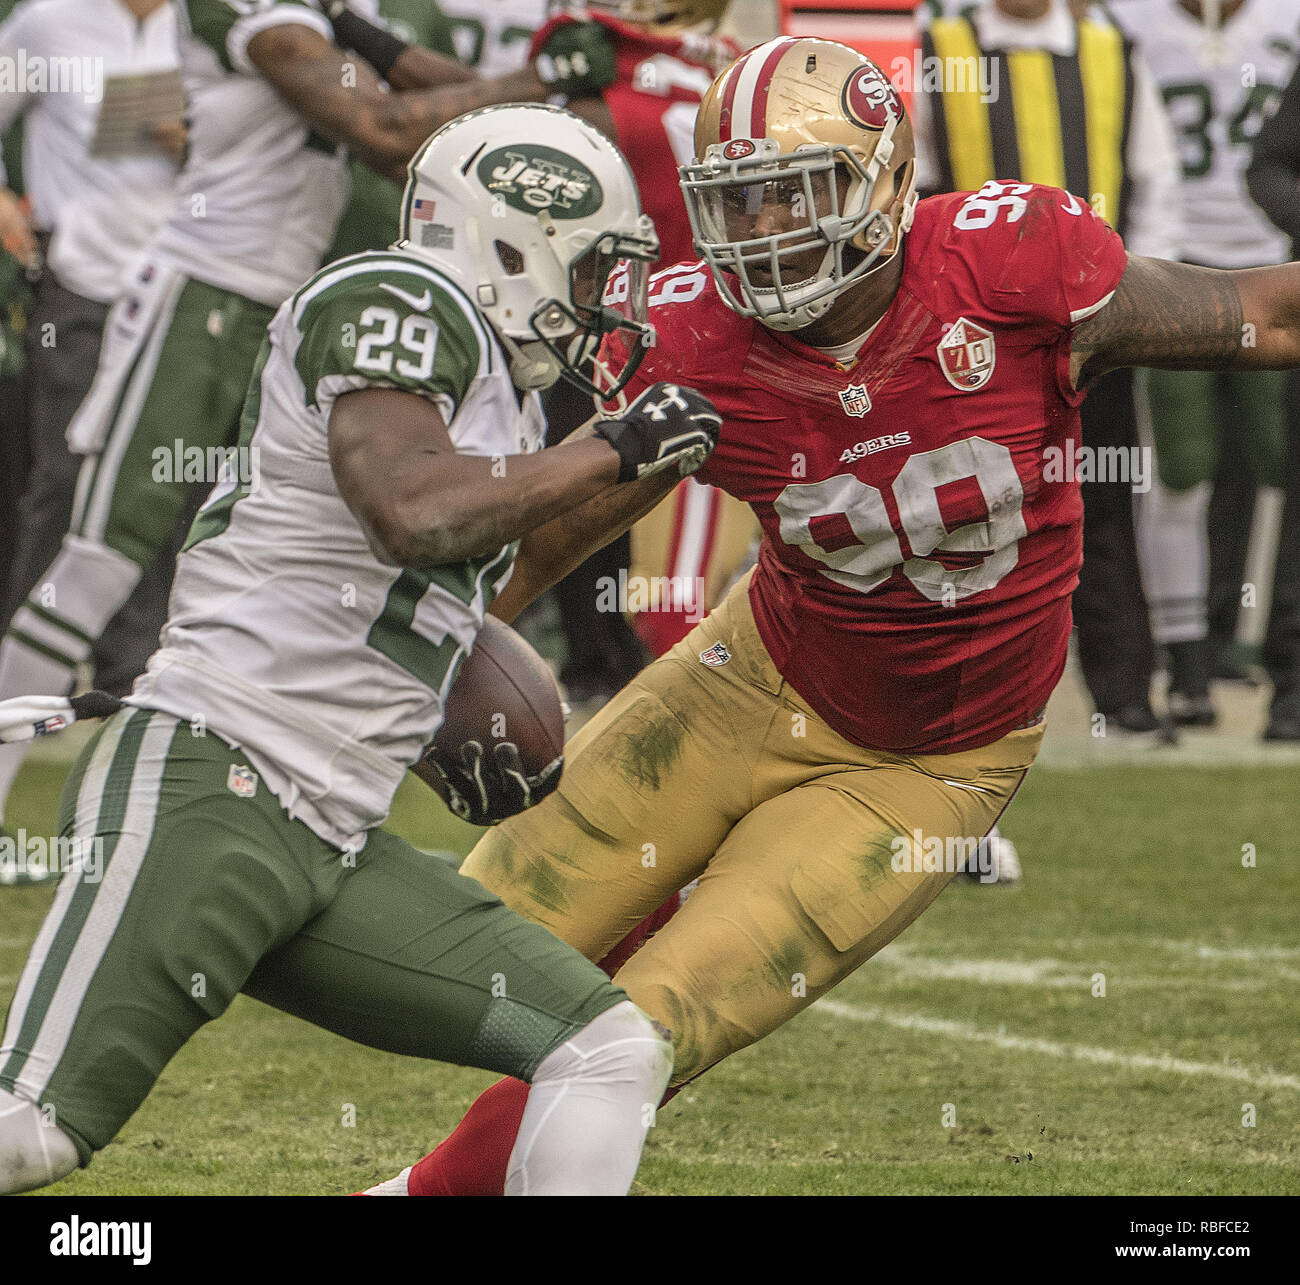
[810,851]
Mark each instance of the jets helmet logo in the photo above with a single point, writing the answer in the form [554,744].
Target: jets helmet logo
[533,178]
[967,355]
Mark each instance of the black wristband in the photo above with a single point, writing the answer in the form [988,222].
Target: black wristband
[380,48]
[622,437]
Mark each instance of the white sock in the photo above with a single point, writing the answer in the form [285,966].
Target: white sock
[1174,549]
[85,587]
[33,1152]
[391,1186]
[589,1106]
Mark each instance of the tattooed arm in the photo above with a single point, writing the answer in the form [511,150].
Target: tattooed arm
[1180,317]
[344,99]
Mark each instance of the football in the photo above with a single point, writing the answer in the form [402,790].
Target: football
[504,691]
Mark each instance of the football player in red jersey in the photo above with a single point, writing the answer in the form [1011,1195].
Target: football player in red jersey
[665,58]
[898,383]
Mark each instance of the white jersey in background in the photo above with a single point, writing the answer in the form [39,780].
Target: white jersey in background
[286,635]
[493,36]
[260,195]
[100,208]
[1217,86]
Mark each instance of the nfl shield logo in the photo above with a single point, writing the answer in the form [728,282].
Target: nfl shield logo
[966,355]
[715,655]
[854,399]
[242,781]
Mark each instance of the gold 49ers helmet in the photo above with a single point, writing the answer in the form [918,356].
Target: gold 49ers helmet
[801,145]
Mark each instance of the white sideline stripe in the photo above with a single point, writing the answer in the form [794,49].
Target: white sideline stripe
[1010,972]
[1052,1048]
[1249,954]
[1051,974]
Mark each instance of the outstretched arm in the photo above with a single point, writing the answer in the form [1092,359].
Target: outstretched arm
[344,99]
[1180,317]
[421,505]
[549,553]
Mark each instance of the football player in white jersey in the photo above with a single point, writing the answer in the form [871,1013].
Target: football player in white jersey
[1220,65]
[493,36]
[231,810]
[271,99]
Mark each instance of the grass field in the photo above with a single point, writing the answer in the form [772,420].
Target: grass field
[972,1056]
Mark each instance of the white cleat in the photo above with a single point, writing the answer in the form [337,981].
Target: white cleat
[393,1187]
[996,861]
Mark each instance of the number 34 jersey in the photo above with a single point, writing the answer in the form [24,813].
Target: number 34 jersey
[287,636]
[922,531]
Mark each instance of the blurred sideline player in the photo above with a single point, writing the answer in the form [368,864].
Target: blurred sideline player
[237,798]
[370,218]
[494,37]
[1274,181]
[1077,108]
[271,102]
[1199,55]
[878,684]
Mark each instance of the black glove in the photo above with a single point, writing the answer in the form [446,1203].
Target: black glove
[667,425]
[577,60]
[484,788]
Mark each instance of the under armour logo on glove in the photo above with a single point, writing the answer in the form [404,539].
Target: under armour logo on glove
[666,426]
[672,398]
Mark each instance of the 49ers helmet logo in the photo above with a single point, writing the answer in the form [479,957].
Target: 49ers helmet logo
[531,177]
[738,148]
[870,100]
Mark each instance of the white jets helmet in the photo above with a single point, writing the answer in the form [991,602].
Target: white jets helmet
[809,139]
[536,215]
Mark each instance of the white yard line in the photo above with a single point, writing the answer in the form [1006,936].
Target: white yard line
[1246,954]
[1054,1048]
[1056,974]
